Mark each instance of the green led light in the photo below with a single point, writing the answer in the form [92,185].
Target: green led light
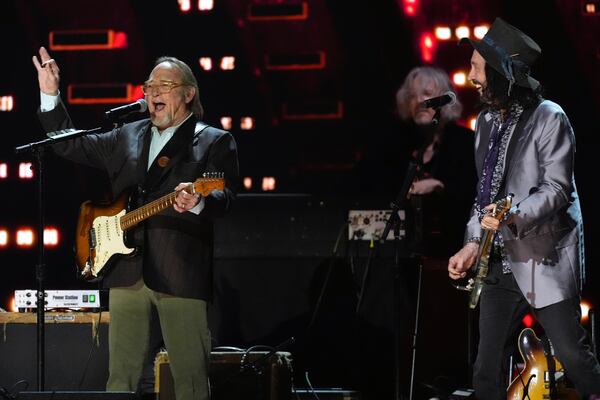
[92,298]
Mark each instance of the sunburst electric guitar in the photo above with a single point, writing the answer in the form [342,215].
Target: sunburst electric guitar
[101,230]
[538,380]
[481,267]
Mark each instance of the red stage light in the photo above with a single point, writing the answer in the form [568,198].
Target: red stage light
[528,320]
[428,44]
[268,183]
[410,7]
[443,32]
[6,103]
[3,170]
[226,123]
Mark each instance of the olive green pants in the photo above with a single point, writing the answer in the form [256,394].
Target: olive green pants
[185,333]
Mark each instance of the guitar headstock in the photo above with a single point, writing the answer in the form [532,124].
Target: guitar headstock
[208,182]
[502,207]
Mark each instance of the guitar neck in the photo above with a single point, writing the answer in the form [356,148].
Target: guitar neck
[485,248]
[138,215]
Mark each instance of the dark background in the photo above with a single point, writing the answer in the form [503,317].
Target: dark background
[273,252]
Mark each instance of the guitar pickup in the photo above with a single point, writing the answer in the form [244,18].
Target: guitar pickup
[92,238]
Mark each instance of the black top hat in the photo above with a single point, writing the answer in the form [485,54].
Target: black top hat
[510,52]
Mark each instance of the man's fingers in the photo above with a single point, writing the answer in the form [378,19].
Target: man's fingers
[44,55]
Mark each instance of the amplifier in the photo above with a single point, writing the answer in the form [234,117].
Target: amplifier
[58,299]
[369,224]
[269,379]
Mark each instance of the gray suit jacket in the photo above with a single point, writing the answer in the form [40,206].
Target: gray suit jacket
[544,244]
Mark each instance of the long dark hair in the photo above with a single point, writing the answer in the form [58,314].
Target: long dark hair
[495,94]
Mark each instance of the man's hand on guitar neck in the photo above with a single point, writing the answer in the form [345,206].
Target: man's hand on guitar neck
[459,263]
[490,222]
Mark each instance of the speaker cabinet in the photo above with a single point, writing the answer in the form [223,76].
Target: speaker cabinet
[76,396]
[70,339]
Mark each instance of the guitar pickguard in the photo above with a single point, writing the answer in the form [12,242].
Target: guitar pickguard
[106,239]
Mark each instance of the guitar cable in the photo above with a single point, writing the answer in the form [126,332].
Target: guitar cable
[92,345]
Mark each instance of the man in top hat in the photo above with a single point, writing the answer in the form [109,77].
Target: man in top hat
[524,145]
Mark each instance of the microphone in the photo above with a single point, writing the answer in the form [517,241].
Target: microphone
[118,112]
[447,98]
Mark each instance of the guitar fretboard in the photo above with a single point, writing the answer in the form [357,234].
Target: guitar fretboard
[138,215]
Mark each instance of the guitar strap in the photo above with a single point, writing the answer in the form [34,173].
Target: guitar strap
[548,352]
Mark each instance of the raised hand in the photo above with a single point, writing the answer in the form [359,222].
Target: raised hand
[48,72]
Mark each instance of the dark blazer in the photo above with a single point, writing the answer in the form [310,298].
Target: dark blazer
[176,249]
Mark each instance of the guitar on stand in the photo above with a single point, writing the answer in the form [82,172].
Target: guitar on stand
[101,230]
[481,268]
[543,375]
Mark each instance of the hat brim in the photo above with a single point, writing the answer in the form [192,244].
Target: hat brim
[491,56]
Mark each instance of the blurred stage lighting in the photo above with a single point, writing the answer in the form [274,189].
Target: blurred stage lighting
[459,78]
[247,183]
[3,237]
[6,103]
[206,5]
[585,310]
[443,33]
[591,8]
[3,170]
[247,123]
[472,123]
[528,320]
[268,183]
[462,32]
[226,123]
[228,63]
[410,7]
[205,63]
[427,47]
[185,5]
[480,30]
[25,237]
[25,170]
[87,39]
[51,237]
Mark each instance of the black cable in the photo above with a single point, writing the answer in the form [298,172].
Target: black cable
[327,276]
[94,340]
[312,390]
[365,276]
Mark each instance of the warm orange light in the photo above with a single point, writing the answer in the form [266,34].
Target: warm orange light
[443,33]
[12,306]
[6,103]
[3,170]
[228,63]
[25,237]
[205,5]
[185,5]
[247,183]
[3,237]
[247,123]
[51,237]
[205,63]
[472,122]
[590,8]
[462,32]
[226,123]
[459,78]
[25,170]
[528,320]
[480,30]
[585,310]
[268,183]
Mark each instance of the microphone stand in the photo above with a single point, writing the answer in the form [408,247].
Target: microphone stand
[393,221]
[37,149]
